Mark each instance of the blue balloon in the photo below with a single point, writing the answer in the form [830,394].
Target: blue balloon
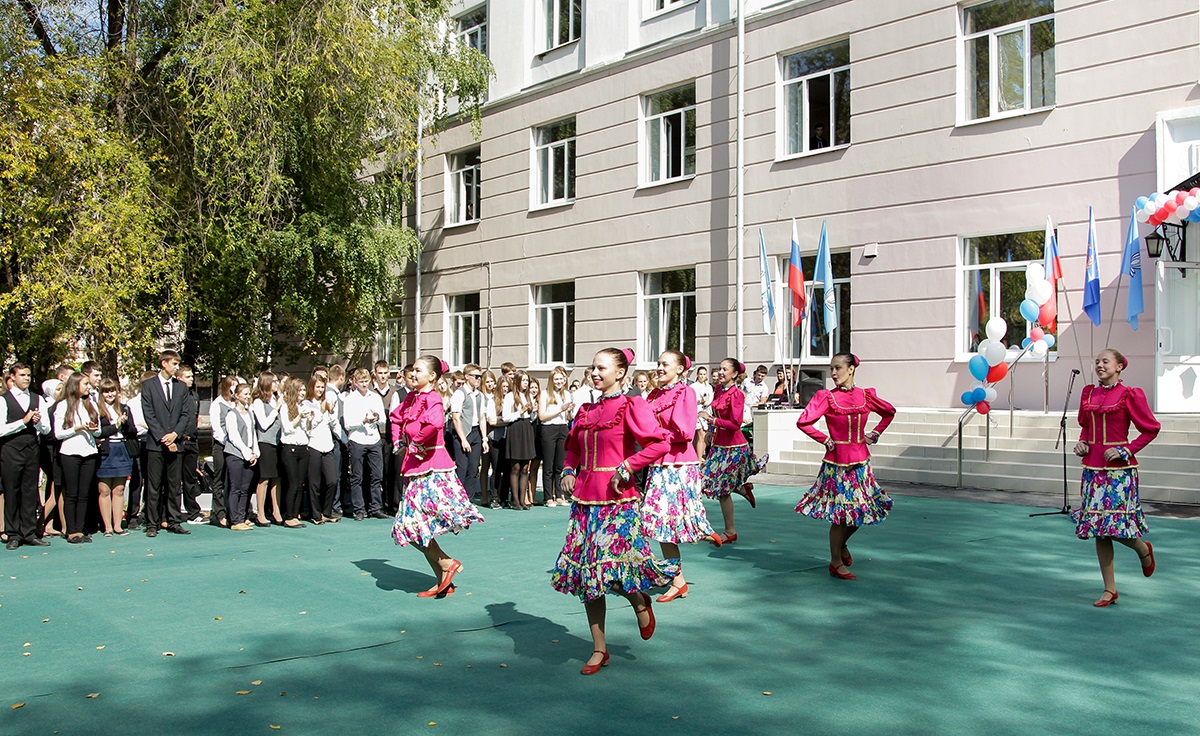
[1049,340]
[1030,310]
[968,398]
[1026,342]
[978,395]
[1153,196]
[978,366]
[1140,202]
[1195,216]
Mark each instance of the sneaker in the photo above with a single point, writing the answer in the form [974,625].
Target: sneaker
[494,504]
[360,515]
[378,515]
[197,519]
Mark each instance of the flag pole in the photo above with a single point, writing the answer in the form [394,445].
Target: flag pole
[1116,298]
[1074,333]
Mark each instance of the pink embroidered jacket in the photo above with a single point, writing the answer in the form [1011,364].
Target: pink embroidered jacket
[603,436]
[845,415]
[418,423]
[1104,418]
[727,407]
[675,408]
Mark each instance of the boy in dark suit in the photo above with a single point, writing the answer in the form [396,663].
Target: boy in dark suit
[170,416]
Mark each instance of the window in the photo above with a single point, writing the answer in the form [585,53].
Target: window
[816,98]
[554,152]
[670,134]
[665,4]
[462,191]
[809,343]
[564,19]
[389,342]
[473,30]
[1008,53]
[669,308]
[462,314]
[993,278]
[554,306]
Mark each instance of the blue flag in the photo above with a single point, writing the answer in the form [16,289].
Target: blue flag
[1091,279]
[768,300]
[824,274]
[1131,266]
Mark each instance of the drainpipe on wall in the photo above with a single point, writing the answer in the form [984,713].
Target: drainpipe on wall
[741,174]
[420,245]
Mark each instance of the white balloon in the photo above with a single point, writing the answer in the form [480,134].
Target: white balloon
[991,394]
[977,384]
[1038,348]
[981,348]
[1160,200]
[1142,216]
[1030,293]
[1034,272]
[1042,291]
[995,354]
[1191,203]
[997,328]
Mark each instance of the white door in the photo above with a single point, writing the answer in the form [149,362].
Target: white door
[1177,359]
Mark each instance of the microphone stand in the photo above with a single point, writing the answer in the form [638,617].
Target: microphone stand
[1062,441]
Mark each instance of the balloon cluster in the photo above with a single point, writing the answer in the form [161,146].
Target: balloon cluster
[987,366]
[1176,206]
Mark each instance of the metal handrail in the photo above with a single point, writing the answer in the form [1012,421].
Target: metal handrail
[963,420]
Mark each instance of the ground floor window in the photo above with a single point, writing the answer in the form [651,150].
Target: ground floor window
[810,342]
[993,284]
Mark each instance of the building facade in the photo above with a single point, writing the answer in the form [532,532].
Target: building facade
[933,140]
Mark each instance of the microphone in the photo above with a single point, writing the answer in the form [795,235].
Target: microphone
[1075,371]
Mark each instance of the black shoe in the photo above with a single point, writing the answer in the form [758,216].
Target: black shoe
[74,540]
[336,515]
[13,543]
[378,515]
[176,529]
[35,542]
[151,532]
[359,515]
[133,525]
[87,538]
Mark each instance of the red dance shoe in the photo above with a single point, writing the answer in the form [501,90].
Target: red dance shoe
[847,560]
[1106,602]
[1148,570]
[833,571]
[730,538]
[647,630]
[591,669]
[673,593]
[715,539]
[748,492]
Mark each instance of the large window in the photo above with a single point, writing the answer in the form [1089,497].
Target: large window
[1008,53]
[670,134]
[462,318]
[554,155]
[658,5]
[564,21]
[993,278]
[669,310]
[554,307]
[473,30]
[809,342]
[816,98]
[462,187]
[390,341]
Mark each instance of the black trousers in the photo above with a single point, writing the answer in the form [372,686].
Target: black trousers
[499,482]
[79,474]
[164,483]
[135,487]
[366,493]
[241,476]
[322,481]
[191,479]
[294,462]
[466,464]
[554,454]
[19,472]
[220,485]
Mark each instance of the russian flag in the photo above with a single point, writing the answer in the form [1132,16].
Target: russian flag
[1050,261]
[796,280]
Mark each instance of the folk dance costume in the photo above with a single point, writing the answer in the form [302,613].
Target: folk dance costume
[434,500]
[606,547]
[730,462]
[845,491]
[672,509]
[1110,504]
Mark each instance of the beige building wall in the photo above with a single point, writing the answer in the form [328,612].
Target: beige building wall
[915,179]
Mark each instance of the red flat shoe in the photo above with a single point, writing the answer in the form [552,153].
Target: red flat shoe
[730,539]
[647,630]
[833,571]
[449,573]
[1148,570]
[748,492]
[847,560]
[1106,602]
[715,539]
[591,669]
[672,594]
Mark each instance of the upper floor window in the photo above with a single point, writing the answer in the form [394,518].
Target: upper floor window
[554,158]
[669,311]
[564,19]
[473,30]
[670,134]
[1008,53]
[658,5]
[462,188]
[462,327]
[994,282]
[816,98]
[554,306]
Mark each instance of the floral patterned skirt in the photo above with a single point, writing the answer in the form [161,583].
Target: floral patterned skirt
[1110,505]
[606,550]
[845,494]
[434,503]
[672,509]
[727,469]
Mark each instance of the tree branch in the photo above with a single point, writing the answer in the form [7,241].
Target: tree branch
[39,30]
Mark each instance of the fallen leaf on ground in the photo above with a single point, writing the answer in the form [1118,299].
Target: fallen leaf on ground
[168,654]
[45,620]
[275,727]
[216,618]
[78,588]
[14,706]
[303,613]
[256,683]
[241,592]
[554,641]
[674,718]
[93,695]
[283,693]
[503,665]
[24,654]
[26,644]
[437,664]
[243,692]
[766,692]
[100,647]
[433,723]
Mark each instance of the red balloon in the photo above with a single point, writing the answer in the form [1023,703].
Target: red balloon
[1195,192]
[1180,196]
[1170,207]
[1036,334]
[1047,314]
[997,373]
[984,407]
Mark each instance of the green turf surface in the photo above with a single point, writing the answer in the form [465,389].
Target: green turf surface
[967,618]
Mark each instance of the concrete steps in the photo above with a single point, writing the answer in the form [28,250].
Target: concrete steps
[921,446]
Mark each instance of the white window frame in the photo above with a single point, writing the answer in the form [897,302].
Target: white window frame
[966,82]
[553,28]
[783,317]
[476,35]
[962,337]
[461,184]
[542,355]
[655,8]
[648,139]
[461,332]
[785,112]
[390,341]
[544,169]
[651,347]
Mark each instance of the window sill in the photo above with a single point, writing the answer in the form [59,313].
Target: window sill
[541,55]
[557,204]
[811,153]
[464,223]
[655,14]
[1004,116]
[665,182]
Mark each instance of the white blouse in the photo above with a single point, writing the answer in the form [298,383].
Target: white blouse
[78,444]
[509,412]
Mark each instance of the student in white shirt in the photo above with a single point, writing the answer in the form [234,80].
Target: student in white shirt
[520,446]
[265,409]
[704,397]
[76,425]
[468,419]
[27,420]
[363,414]
[293,449]
[241,454]
[322,417]
[220,405]
[555,407]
